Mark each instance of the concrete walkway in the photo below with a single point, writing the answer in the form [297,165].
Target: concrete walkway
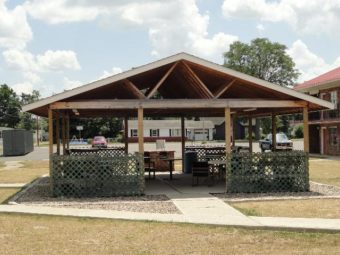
[12,185]
[228,218]
[209,210]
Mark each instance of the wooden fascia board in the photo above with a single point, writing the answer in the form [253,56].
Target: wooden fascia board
[178,104]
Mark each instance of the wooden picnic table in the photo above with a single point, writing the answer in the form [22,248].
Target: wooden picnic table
[171,164]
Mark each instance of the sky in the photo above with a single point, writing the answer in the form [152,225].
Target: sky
[52,46]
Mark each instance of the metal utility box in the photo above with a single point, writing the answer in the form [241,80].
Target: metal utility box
[17,142]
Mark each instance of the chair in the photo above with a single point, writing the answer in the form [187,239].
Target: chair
[149,165]
[200,170]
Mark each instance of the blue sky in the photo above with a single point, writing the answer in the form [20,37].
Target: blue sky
[56,45]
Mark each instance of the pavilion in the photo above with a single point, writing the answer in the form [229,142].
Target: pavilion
[180,86]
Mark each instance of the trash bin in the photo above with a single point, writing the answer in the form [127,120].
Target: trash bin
[189,158]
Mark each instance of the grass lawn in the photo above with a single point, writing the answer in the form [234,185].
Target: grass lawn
[312,208]
[5,193]
[27,173]
[325,171]
[26,234]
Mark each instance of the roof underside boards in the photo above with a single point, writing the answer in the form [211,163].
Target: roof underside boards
[181,76]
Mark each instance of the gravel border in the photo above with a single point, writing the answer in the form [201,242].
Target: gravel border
[38,194]
[317,191]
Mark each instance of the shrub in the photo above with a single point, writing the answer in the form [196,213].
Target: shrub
[298,133]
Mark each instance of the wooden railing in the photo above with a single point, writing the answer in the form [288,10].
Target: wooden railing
[325,115]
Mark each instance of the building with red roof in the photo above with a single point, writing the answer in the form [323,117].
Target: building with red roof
[324,125]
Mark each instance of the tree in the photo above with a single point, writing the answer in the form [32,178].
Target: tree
[106,126]
[265,60]
[9,107]
[262,59]
[26,119]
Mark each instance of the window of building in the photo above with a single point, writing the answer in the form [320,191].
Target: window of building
[333,140]
[175,132]
[334,97]
[134,132]
[154,132]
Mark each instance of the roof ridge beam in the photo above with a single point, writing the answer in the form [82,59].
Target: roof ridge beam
[224,88]
[133,89]
[203,87]
[153,90]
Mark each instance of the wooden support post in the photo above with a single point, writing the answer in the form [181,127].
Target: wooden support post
[50,131]
[234,128]
[126,134]
[67,131]
[140,131]
[305,129]
[63,132]
[227,130]
[250,134]
[183,141]
[57,130]
[273,132]
[38,131]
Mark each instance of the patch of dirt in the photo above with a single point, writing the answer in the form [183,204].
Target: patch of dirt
[39,195]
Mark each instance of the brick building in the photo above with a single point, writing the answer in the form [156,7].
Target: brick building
[325,124]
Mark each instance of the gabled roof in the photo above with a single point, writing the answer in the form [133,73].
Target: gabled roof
[326,78]
[212,73]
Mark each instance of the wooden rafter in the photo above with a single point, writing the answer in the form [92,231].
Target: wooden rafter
[203,87]
[153,90]
[133,89]
[224,88]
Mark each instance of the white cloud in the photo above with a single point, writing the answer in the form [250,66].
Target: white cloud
[29,67]
[59,11]
[114,70]
[172,25]
[15,31]
[260,28]
[20,60]
[71,84]
[309,64]
[59,60]
[32,77]
[176,26]
[24,87]
[306,16]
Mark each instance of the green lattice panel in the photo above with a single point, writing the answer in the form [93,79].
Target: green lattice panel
[267,172]
[204,152]
[108,152]
[93,175]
